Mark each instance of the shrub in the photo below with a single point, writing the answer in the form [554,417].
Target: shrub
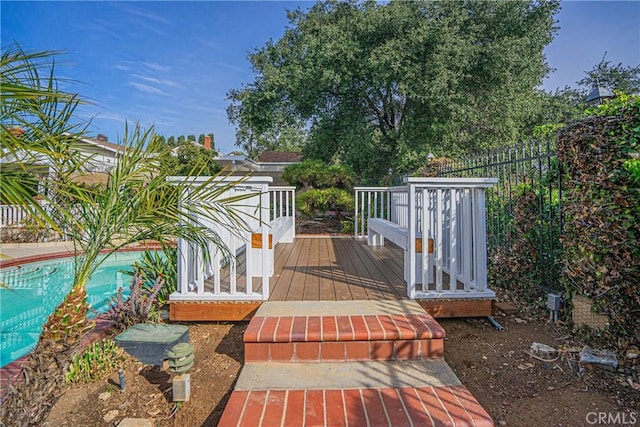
[98,361]
[313,202]
[602,227]
[317,174]
[155,264]
[139,307]
[348,226]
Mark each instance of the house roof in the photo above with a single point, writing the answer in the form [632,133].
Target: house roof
[280,157]
[108,145]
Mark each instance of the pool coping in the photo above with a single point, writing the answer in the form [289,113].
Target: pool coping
[64,254]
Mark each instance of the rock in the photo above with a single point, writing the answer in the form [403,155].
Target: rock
[135,422]
[111,415]
[104,396]
[543,350]
[506,307]
[525,366]
[519,320]
[502,423]
[633,353]
[603,359]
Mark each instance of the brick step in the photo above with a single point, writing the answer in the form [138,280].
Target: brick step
[343,351]
[391,393]
[343,330]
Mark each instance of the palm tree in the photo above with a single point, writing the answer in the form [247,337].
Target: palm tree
[36,125]
[137,204]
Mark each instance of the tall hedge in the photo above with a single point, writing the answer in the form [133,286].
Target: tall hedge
[602,212]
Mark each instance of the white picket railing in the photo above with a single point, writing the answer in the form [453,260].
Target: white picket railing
[269,213]
[443,224]
[12,216]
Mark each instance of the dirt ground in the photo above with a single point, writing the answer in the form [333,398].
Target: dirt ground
[516,389]
[219,354]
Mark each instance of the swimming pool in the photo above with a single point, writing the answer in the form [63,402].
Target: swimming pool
[36,289]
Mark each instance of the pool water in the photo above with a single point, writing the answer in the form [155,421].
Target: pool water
[36,289]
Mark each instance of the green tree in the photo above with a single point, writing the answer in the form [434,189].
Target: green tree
[171,141]
[190,160]
[381,85]
[317,174]
[161,140]
[618,77]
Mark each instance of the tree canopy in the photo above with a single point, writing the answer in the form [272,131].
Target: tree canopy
[379,86]
[190,159]
[618,77]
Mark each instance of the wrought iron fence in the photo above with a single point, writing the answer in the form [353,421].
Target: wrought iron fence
[524,208]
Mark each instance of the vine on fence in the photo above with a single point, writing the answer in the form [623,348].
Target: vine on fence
[522,264]
[602,227]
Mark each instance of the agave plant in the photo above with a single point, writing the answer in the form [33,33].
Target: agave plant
[137,204]
[154,264]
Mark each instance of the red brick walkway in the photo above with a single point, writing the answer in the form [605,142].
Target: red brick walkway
[424,406]
[357,363]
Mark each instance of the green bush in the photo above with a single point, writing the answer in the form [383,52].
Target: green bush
[98,361]
[348,226]
[154,264]
[319,175]
[602,228]
[313,202]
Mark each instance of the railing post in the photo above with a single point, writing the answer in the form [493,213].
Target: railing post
[410,269]
[453,240]
[480,240]
[356,215]
[266,250]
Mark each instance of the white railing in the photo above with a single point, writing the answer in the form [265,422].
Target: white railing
[269,213]
[444,221]
[12,216]
[379,202]
[283,202]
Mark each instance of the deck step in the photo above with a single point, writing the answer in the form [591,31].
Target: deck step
[366,363]
[392,393]
[342,331]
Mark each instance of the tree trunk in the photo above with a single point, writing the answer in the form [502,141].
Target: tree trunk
[28,402]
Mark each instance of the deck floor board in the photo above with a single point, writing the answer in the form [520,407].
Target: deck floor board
[315,268]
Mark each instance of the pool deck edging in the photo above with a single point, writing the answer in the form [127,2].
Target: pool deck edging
[12,262]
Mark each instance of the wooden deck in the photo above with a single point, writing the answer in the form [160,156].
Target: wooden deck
[336,269]
[322,268]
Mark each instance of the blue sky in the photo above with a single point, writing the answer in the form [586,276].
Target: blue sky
[171,64]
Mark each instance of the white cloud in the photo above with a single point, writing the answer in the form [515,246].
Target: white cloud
[145,14]
[159,68]
[231,67]
[110,116]
[155,80]
[121,67]
[147,88]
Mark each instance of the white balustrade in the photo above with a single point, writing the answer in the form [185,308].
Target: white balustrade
[228,274]
[12,216]
[444,221]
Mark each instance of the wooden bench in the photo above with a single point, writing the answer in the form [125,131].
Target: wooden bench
[380,229]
